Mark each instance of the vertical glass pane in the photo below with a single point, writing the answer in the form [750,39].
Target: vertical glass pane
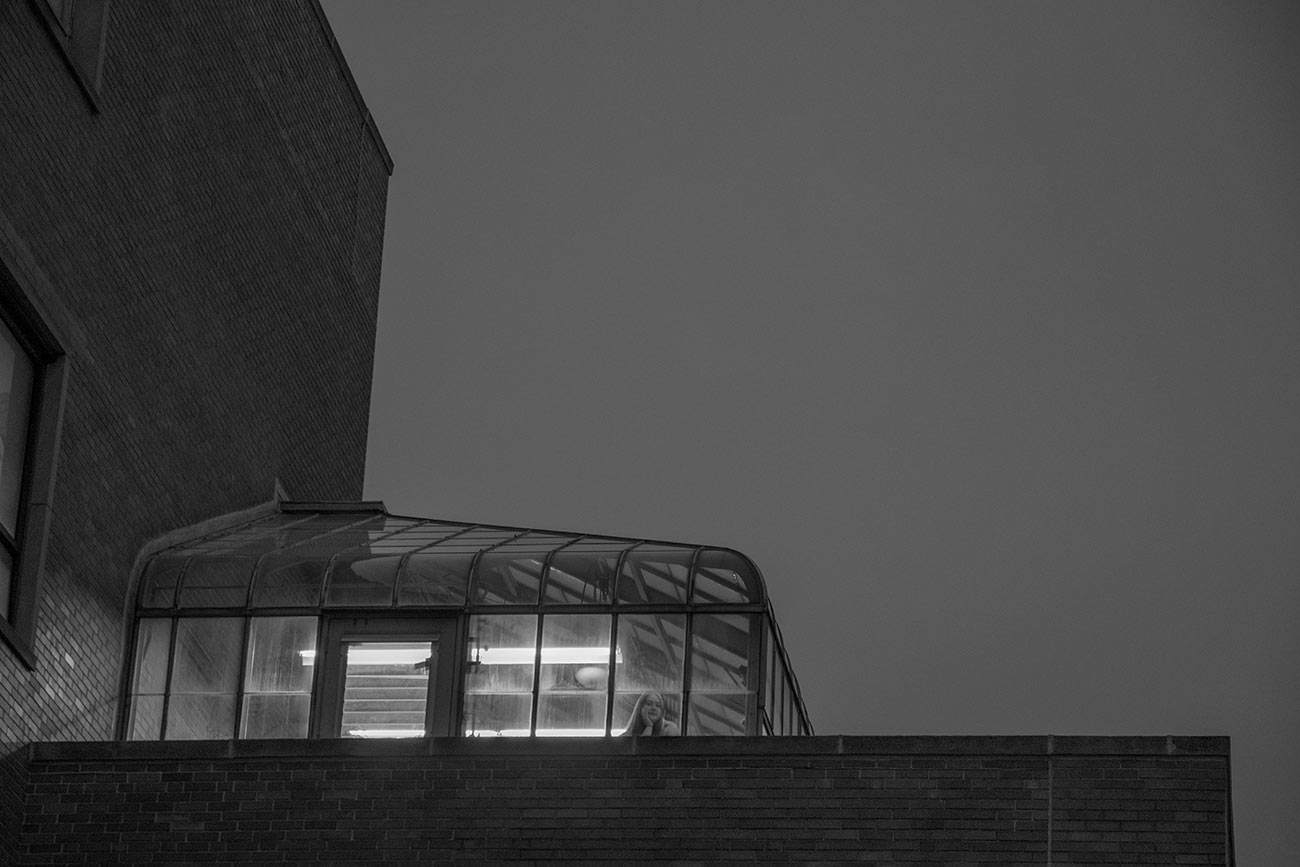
[205,677]
[17,374]
[386,688]
[724,576]
[575,675]
[726,713]
[583,572]
[6,582]
[277,677]
[720,653]
[148,679]
[655,573]
[499,682]
[648,669]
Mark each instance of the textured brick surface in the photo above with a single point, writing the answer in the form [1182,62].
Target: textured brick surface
[206,247]
[949,801]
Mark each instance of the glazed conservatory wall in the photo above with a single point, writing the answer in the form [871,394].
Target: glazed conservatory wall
[361,624]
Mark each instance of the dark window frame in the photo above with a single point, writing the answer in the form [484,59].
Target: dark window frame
[44,427]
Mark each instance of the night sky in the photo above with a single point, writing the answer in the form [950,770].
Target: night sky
[977,326]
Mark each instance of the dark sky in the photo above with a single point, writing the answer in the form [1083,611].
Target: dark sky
[976,325]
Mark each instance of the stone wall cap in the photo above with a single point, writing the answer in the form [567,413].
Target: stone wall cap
[757,747]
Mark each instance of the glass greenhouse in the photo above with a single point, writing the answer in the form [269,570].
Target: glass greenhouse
[328,620]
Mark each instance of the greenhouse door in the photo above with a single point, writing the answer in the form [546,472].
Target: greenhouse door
[387,678]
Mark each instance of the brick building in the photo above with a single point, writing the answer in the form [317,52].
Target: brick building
[191,223]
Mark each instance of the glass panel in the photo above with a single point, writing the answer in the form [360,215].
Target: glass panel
[205,676]
[145,720]
[508,579]
[651,656]
[655,573]
[277,678]
[386,688]
[160,580]
[429,579]
[512,572]
[725,713]
[720,653]
[724,576]
[288,580]
[216,581]
[499,683]
[6,582]
[200,717]
[149,679]
[16,377]
[293,576]
[362,581]
[583,572]
[575,674]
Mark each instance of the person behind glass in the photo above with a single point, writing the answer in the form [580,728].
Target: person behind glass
[648,718]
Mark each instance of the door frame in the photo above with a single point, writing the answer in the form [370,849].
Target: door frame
[441,703]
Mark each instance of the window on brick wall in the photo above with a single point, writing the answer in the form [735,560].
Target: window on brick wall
[32,375]
[79,26]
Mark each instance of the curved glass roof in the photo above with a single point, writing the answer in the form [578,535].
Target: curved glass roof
[314,555]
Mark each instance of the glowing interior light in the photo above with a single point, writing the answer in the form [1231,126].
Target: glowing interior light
[541,733]
[550,655]
[376,655]
[386,733]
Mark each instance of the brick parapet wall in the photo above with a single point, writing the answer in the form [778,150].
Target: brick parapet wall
[978,800]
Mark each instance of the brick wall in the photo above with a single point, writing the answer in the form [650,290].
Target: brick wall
[204,239]
[887,801]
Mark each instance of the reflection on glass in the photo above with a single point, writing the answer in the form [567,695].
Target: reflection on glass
[386,688]
[720,653]
[16,377]
[508,578]
[434,579]
[288,580]
[500,657]
[724,576]
[216,582]
[655,573]
[158,586]
[148,679]
[582,573]
[725,713]
[205,676]
[362,580]
[574,677]
[277,679]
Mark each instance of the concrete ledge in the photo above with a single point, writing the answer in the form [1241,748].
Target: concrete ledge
[842,745]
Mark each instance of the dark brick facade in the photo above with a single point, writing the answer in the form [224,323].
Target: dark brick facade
[886,801]
[203,237]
